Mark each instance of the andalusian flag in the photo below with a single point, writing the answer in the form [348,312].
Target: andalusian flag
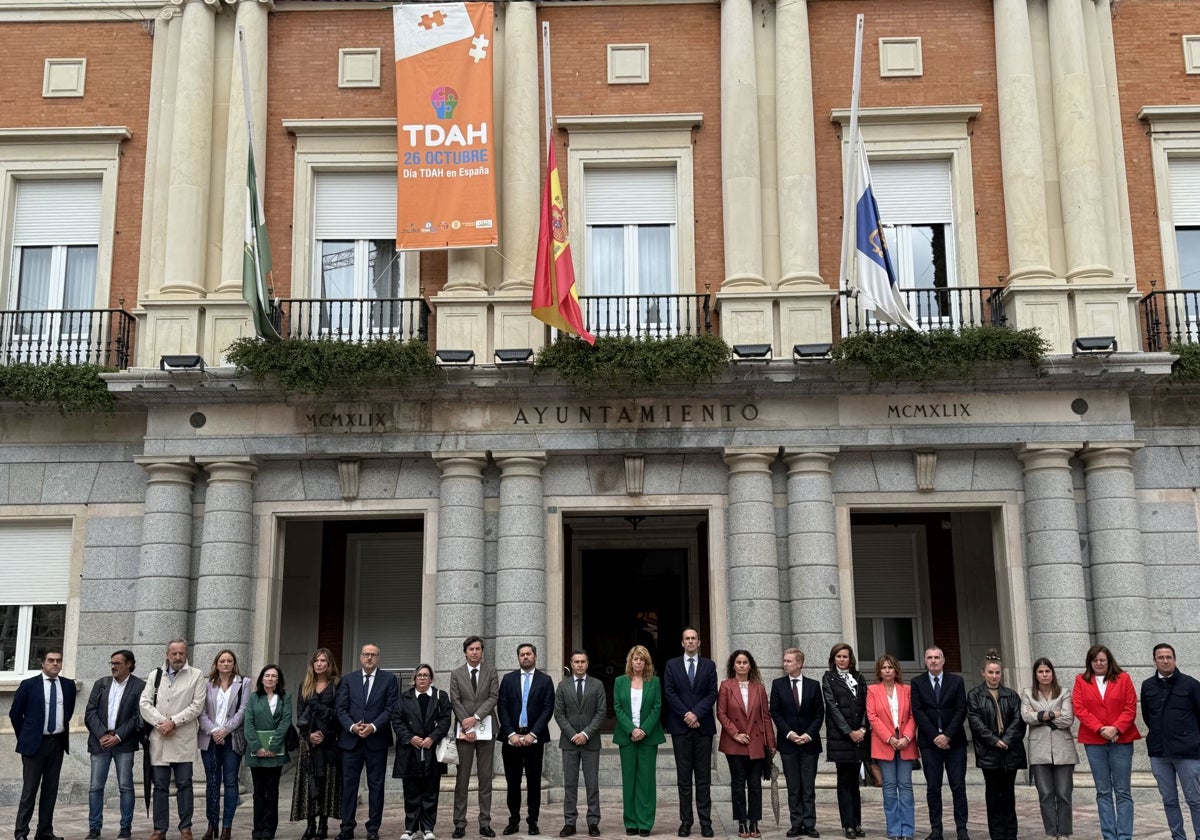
[256,257]
[555,300]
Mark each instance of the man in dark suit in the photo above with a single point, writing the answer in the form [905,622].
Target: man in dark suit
[939,706]
[526,704]
[474,692]
[40,711]
[798,711]
[579,710]
[365,701]
[114,727]
[690,689]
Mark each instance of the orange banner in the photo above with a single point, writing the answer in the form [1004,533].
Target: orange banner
[446,158]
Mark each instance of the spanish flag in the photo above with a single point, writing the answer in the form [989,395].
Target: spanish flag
[555,300]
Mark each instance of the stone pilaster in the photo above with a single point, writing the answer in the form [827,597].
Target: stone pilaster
[1058,615]
[1118,575]
[751,548]
[460,557]
[164,584]
[522,149]
[521,555]
[739,149]
[813,579]
[225,586]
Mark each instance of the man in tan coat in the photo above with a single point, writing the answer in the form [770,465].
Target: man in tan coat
[171,703]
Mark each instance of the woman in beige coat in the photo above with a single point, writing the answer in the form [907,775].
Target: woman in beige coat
[1046,708]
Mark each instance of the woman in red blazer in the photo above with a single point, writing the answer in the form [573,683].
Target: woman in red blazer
[747,737]
[1106,706]
[893,744]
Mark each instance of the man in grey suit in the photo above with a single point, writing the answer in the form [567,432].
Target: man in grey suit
[579,708]
[474,691]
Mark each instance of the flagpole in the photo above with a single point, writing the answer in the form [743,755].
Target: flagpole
[249,139]
[849,166]
[546,80]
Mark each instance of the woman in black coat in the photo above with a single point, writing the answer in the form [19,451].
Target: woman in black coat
[420,720]
[994,714]
[847,743]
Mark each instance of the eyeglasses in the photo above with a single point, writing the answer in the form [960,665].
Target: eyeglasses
[369,655]
[116,664]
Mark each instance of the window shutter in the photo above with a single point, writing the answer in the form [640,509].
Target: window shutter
[913,192]
[63,212]
[635,196]
[885,580]
[35,563]
[1185,191]
[355,205]
[389,596]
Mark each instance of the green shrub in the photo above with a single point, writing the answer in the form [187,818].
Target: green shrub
[939,354]
[74,389]
[623,361]
[343,368]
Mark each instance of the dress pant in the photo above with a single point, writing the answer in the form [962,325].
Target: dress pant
[221,765]
[572,759]
[800,771]
[421,801]
[527,762]
[40,770]
[182,771]
[1055,783]
[848,795]
[954,763]
[484,753]
[693,761]
[745,780]
[639,788]
[266,800]
[101,762]
[353,762]
[1000,796]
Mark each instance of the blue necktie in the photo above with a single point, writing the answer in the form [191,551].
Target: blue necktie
[525,702]
[52,716]
[691,672]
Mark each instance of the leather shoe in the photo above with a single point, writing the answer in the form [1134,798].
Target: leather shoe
[567,831]
[345,835]
[124,834]
[685,830]
[94,834]
[512,828]
[810,832]
[486,831]
[533,828]
[593,830]
[631,832]
[707,831]
[858,832]
[643,832]
[963,835]
[372,835]
[934,835]
[47,837]
[795,832]
[850,835]
[458,832]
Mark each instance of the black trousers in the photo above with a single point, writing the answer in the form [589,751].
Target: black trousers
[527,762]
[40,770]
[353,762]
[745,777]
[849,797]
[998,793]
[693,761]
[954,763]
[266,800]
[800,771]
[421,801]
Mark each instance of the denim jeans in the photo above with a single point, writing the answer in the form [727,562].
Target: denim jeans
[221,765]
[898,806]
[1112,766]
[100,764]
[1188,772]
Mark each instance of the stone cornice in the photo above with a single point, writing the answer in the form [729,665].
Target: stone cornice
[335,127]
[116,11]
[73,134]
[911,114]
[1165,119]
[629,122]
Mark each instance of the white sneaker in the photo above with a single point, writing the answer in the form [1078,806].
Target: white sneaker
[429,835]
[406,836]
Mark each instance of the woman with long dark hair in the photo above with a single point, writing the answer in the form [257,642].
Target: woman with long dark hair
[847,728]
[994,714]
[317,792]
[268,719]
[219,739]
[1048,712]
[747,737]
[420,720]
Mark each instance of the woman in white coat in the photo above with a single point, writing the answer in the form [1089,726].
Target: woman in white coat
[1046,708]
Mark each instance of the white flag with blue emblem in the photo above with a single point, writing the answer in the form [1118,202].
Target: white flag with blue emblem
[874,275]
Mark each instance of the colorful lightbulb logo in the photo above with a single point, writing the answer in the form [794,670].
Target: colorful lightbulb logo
[444,101]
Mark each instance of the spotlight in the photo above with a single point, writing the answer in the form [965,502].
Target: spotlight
[456,358]
[1096,345]
[745,352]
[514,356]
[188,363]
[811,351]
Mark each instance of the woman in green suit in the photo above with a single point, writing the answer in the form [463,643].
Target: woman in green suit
[637,700]
[268,718]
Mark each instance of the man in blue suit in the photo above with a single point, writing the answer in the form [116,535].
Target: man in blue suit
[40,712]
[525,707]
[690,689]
[939,707]
[365,701]
[798,711]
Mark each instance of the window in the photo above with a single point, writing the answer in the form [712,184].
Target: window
[1185,214]
[34,574]
[383,571]
[889,579]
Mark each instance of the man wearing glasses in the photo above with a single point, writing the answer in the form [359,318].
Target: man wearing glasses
[365,701]
[114,727]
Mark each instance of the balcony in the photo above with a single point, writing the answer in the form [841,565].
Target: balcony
[73,336]
[952,308]
[348,319]
[646,316]
[1169,316]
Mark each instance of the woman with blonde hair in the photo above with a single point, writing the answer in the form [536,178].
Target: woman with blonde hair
[637,701]
[317,792]
[221,742]
[994,713]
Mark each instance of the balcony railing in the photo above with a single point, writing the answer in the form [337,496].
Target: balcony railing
[348,319]
[1169,316]
[646,316]
[74,336]
[951,308]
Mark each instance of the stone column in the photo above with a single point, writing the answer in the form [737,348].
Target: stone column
[1058,615]
[522,148]
[1021,145]
[1120,603]
[521,556]
[460,558]
[162,595]
[752,552]
[169,28]
[1080,192]
[465,272]
[739,148]
[225,586]
[795,140]
[813,578]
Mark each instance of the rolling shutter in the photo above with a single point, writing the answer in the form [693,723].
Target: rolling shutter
[355,205]
[1185,191]
[635,196]
[388,597]
[913,192]
[35,563]
[63,212]
[885,580]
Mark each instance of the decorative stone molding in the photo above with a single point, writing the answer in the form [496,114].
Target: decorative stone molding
[635,474]
[628,64]
[1047,456]
[349,471]
[925,470]
[358,67]
[64,77]
[1191,53]
[900,57]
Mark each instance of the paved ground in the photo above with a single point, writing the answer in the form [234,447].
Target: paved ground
[1150,824]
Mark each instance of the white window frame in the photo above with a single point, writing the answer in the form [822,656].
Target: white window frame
[1174,134]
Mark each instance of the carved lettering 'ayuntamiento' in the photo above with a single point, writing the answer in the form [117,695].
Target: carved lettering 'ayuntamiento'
[648,414]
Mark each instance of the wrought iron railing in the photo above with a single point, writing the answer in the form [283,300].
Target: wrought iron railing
[1171,315]
[647,316]
[350,319]
[951,308]
[74,336]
